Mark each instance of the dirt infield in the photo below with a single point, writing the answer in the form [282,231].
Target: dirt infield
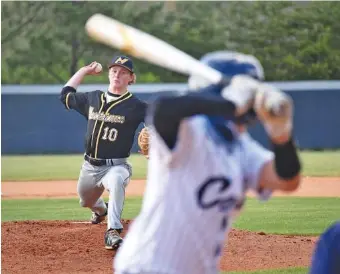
[70,247]
[66,247]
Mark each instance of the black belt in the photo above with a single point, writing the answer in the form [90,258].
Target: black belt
[95,162]
[103,162]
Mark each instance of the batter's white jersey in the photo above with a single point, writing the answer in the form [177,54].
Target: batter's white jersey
[191,198]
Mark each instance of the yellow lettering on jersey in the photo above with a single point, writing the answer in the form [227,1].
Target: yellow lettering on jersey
[104,117]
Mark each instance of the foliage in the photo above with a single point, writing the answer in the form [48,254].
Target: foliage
[45,42]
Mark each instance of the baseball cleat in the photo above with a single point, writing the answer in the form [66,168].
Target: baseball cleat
[112,239]
[96,218]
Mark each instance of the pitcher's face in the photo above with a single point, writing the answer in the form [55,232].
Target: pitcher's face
[120,77]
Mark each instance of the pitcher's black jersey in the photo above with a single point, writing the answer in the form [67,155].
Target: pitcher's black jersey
[111,125]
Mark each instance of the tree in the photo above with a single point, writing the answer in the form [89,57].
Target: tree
[45,42]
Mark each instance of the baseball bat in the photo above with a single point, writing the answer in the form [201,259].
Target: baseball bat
[144,46]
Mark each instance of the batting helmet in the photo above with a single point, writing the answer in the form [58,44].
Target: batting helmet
[230,63]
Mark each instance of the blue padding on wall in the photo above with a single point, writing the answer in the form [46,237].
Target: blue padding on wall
[39,123]
[316,120]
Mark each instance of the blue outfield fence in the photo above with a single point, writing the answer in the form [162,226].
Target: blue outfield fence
[34,121]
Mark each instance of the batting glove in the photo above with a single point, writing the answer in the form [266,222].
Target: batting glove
[274,109]
[241,91]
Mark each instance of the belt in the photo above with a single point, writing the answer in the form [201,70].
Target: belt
[104,162]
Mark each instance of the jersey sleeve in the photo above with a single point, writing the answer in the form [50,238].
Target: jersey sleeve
[256,156]
[75,100]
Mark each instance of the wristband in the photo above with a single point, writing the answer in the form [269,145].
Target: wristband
[287,163]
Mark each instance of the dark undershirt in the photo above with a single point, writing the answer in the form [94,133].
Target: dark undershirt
[167,112]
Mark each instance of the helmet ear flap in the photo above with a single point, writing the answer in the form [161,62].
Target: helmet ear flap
[134,79]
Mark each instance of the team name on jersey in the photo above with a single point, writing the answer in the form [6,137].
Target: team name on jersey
[117,119]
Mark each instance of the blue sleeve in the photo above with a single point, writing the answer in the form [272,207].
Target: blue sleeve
[326,258]
[167,112]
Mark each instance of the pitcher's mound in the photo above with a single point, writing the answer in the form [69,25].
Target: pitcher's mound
[78,247]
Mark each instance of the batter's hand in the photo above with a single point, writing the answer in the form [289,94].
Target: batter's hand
[92,69]
[275,109]
[241,91]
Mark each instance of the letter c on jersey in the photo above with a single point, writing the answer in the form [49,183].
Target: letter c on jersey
[210,194]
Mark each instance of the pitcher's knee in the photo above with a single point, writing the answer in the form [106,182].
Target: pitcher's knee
[84,203]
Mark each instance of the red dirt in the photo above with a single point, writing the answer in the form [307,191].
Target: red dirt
[67,247]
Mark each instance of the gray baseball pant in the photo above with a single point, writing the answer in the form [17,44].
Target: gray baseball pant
[93,180]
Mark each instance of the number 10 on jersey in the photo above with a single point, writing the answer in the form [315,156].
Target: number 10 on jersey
[110,134]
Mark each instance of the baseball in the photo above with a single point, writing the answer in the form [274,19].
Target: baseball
[98,68]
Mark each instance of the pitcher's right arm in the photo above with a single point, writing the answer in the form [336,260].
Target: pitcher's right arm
[68,95]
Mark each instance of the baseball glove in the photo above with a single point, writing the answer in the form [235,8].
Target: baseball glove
[143,142]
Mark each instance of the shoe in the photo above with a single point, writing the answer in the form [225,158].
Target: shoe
[112,239]
[96,218]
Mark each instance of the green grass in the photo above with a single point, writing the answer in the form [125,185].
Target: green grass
[67,167]
[280,215]
[321,163]
[54,167]
[298,270]
[56,209]
[288,215]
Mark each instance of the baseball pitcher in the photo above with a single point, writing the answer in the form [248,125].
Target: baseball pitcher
[113,117]
[202,163]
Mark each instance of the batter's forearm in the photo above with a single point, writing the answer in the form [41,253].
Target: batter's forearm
[168,112]
[287,162]
[76,79]
[178,108]
[283,172]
